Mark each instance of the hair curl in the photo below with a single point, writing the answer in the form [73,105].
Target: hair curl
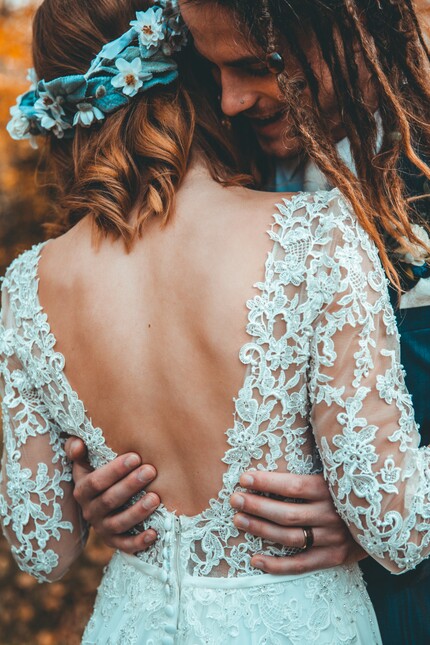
[139,156]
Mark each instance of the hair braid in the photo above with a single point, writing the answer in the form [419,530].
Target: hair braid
[371,58]
[318,142]
[419,31]
[338,53]
[358,42]
[319,147]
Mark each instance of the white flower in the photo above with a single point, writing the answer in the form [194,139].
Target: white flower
[150,26]
[47,102]
[53,123]
[415,254]
[87,114]
[418,253]
[49,110]
[19,125]
[130,76]
[31,76]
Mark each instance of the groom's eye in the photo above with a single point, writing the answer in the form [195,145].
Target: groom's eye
[260,70]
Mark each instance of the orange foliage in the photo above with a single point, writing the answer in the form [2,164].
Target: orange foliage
[22,206]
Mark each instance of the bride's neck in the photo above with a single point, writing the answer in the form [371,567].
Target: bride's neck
[198,171]
[199,180]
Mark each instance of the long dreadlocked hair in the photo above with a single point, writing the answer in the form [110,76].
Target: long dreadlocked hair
[393,48]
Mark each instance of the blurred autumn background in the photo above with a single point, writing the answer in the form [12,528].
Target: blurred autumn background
[31,614]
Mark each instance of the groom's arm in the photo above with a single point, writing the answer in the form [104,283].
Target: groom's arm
[103,493]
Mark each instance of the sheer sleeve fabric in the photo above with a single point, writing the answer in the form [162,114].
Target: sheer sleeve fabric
[362,413]
[40,517]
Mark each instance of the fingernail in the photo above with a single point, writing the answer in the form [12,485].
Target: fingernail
[241,522]
[75,444]
[247,480]
[72,449]
[145,474]
[257,563]
[149,538]
[237,501]
[132,461]
[148,502]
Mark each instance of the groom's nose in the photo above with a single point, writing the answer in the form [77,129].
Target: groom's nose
[236,96]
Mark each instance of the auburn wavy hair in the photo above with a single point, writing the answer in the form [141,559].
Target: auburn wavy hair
[387,38]
[140,154]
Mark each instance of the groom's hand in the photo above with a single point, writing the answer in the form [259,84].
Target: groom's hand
[283,522]
[102,494]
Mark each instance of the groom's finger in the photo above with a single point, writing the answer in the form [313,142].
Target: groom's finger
[76,451]
[313,560]
[115,495]
[308,487]
[286,513]
[132,544]
[90,484]
[123,521]
[288,537]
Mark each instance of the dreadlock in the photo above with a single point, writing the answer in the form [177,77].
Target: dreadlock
[387,36]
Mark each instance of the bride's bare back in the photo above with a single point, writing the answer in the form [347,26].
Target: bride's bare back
[152,338]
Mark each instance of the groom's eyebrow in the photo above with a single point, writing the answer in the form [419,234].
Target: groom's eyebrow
[244,61]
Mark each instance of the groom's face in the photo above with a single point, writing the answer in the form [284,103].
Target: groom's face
[247,88]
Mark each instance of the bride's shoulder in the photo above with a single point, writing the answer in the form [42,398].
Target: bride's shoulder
[51,265]
[324,213]
[23,268]
[53,249]
[65,258]
[327,203]
[322,217]
[322,203]
[321,223]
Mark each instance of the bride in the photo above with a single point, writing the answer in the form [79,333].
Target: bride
[139,329]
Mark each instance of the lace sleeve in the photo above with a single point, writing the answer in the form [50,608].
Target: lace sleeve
[362,413]
[40,518]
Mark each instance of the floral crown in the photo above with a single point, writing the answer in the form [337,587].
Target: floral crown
[137,61]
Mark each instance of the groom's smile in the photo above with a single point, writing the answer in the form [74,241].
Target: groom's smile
[267,126]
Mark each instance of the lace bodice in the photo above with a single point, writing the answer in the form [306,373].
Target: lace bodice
[323,387]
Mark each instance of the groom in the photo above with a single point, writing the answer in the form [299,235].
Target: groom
[249,91]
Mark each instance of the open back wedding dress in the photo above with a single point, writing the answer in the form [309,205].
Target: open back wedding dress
[323,388]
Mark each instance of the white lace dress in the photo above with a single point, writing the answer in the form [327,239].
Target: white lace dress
[322,387]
